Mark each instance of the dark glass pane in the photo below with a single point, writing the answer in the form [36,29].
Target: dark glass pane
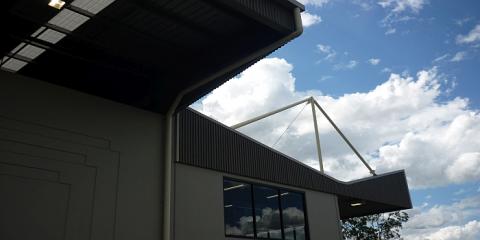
[237,199]
[293,213]
[267,214]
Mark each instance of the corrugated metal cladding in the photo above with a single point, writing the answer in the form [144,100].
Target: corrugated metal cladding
[205,143]
[271,10]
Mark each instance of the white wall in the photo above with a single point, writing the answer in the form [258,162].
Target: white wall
[75,166]
[199,206]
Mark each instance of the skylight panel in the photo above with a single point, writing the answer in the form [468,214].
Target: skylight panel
[51,36]
[36,33]
[31,51]
[13,65]
[68,19]
[93,6]
[17,48]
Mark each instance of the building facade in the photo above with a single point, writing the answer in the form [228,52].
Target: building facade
[97,142]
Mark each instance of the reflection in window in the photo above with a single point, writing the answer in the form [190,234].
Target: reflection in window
[293,214]
[238,210]
[279,213]
[267,212]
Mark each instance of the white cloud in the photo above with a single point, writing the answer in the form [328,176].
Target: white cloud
[390,31]
[428,223]
[465,167]
[469,231]
[400,124]
[398,6]
[461,22]
[374,61]
[471,37]
[399,12]
[459,56]
[364,4]
[461,191]
[325,78]
[386,70]
[309,19]
[317,3]
[441,58]
[327,51]
[345,66]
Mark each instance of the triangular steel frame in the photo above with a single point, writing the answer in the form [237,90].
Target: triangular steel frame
[314,104]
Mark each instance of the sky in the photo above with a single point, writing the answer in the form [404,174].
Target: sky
[400,78]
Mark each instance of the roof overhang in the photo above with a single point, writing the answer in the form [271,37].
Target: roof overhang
[143,52]
[206,143]
[378,194]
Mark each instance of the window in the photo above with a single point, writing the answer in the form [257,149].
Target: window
[267,213]
[279,213]
[293,214]
[237,198]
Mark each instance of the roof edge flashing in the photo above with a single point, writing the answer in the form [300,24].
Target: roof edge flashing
[292,3]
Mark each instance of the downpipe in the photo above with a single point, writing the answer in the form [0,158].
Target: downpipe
[169,173]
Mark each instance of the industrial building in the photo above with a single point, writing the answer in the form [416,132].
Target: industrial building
[97,140]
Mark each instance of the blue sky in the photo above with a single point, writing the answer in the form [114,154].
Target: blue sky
[349,28]
[400,77]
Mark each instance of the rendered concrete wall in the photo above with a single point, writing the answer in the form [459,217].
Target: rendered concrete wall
[74,166]
[323,215]
[199,206]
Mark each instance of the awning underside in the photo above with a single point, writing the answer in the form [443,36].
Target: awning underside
[139,52]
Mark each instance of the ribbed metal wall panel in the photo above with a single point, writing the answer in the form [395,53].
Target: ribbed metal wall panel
[206,143]
[271,10]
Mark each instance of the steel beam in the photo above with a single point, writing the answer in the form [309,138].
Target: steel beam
[345,138]
[239,125]
[317,136]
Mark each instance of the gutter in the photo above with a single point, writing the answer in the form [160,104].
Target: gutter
[169,174]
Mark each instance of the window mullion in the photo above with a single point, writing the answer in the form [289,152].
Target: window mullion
[254,217]
[280,211]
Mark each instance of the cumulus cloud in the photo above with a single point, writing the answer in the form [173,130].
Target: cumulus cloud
[317,3]
[472,37]
[440,216]
[309,19]
[452,221]
[465,167]
[469,231]
[400,124]
[374,61]
[459,56]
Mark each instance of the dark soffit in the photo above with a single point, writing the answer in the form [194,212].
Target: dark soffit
[144,52]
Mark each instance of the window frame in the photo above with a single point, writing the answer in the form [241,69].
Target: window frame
[280,207]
